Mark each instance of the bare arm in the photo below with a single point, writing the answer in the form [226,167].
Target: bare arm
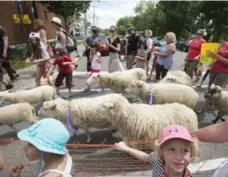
[62,39]
[43,36]
[140,155]
[222,59]
[214,133]
[50,70]
[170,49]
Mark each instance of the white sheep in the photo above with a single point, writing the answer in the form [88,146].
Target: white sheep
[164,93]
[15,113]
[36,95]
[178,77]
[219,99]
[85,112]
[137,122]
[120,80]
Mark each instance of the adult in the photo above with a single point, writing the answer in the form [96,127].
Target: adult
[91,40]
[113,42]
[4,62]
[165,56]
[133,40]
[193,56]
[61,38]
[39,57]
[219,70]
[38,25]
[148,33]
[215,134]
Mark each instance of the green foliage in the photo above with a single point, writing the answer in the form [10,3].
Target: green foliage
[181,17]
[122,23]
[66,8]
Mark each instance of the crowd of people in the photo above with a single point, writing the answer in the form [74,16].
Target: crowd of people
[46,139]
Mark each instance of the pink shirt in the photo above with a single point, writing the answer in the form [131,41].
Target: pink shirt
[194,48]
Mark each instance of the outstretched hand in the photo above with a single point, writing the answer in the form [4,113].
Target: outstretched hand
[15,171]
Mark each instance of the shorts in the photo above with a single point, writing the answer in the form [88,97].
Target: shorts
[220,79]
[60,78]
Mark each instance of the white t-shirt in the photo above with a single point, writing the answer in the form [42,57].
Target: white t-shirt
[149,44]
[94,63]
[44,53]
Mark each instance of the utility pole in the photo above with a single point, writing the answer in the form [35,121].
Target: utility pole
[85,24]
[94,16]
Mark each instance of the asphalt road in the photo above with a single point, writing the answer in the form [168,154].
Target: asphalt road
[102,160]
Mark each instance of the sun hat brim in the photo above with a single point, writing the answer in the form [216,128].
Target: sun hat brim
[25,136]
[56,22]
[176,136]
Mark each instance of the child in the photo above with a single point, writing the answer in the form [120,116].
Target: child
[141,56]
[46,142]
[95,59]
[65,70]
[175,149]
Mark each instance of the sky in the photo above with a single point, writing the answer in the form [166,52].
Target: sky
[109,11]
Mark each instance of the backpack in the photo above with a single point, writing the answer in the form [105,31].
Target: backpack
[70,44]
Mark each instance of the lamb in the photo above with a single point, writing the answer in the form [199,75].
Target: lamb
[85,112]
[137,122]
[164,93]
[120,80]
[33,96]
[16,113]
[219,99]
[178,77]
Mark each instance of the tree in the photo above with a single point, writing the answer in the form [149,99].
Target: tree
[122,23]
[66,9]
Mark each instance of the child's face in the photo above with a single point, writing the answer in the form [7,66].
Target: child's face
[142,46]
[31,152]
[176,154]
[93,50]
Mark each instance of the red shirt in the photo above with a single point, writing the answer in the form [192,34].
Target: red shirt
[219,66]
[63,68]
[194,48]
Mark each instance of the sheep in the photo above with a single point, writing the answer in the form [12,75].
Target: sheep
[120,80]
[85,112]
[36,95]
[15,113]
[137,122]
[164,93]
[177,76]
[219,99]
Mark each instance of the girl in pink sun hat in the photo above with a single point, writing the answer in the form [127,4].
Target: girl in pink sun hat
[175,149]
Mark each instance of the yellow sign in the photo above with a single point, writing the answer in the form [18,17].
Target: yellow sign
[204,59]
[25,18]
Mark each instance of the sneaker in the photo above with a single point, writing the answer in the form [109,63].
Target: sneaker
[87,89]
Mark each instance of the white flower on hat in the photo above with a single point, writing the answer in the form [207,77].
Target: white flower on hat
[34,35]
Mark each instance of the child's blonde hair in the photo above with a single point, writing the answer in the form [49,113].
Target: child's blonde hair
[194,150]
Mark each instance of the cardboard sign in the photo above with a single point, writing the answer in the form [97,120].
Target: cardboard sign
[25,18]
[204,59]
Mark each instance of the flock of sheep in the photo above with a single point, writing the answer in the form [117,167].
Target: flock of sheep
[174,100]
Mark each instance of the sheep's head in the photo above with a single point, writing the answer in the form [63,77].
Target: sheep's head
[141,74]
[47,105]
[169,78]
[134,87]
[213,92]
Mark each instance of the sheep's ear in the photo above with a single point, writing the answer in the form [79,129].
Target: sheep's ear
[109,105]
[218,88]
[212,86]
[49,105]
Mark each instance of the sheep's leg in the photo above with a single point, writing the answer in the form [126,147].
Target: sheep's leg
[219,116]
[89,139]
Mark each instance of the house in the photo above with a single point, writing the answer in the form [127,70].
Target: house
[17,18]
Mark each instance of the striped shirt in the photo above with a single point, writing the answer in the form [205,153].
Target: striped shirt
[158,167]
[141,63]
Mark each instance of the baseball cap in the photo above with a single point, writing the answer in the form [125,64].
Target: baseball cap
[175,132]
[47,135]
[34,35]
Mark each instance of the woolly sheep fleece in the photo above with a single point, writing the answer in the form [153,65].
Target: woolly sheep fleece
[178,77]
[120,80]
[164,93]
[141,121]
[32,96]
[16,113]
[218,97]
[85,112]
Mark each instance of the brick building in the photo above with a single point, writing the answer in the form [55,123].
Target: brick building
[17,17]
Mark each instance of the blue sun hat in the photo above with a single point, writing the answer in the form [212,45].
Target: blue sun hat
[47,135]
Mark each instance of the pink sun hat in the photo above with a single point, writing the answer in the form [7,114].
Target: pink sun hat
[175,132]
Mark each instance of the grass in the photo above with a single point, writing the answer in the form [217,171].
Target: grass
[18,64]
